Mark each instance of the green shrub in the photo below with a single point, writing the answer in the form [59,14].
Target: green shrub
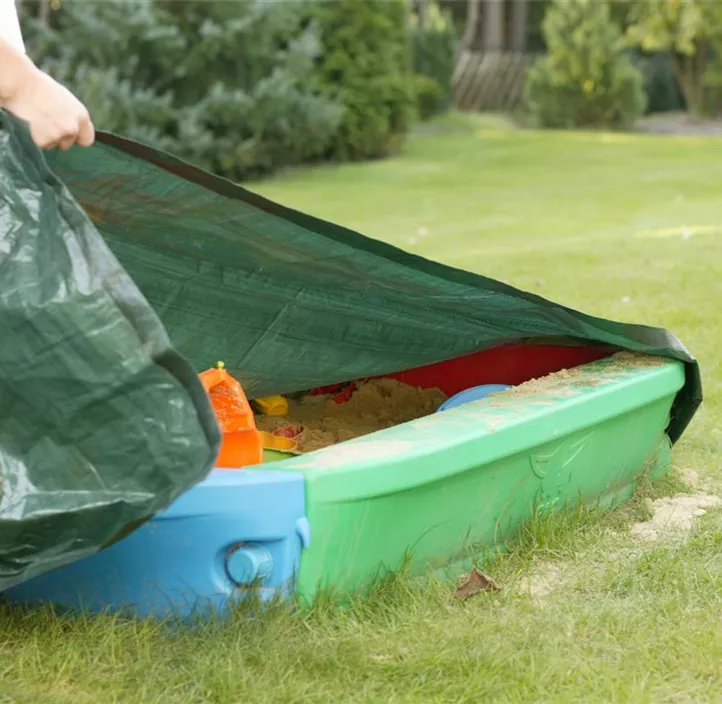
[431,99]
[365,65]
[434,51]
[587,79]
[228,86]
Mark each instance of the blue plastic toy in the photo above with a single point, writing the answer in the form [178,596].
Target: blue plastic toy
[473,394]
[237,532]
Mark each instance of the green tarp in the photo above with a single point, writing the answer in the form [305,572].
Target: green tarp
[287,301]
[102,423]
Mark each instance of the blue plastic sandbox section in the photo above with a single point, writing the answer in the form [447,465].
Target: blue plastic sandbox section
[474,394]
[237,533]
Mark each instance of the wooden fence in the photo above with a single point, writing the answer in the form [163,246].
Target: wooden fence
[490,80]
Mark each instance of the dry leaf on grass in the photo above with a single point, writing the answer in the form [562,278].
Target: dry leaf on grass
[476,582]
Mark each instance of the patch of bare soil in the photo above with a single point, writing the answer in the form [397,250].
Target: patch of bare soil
[689,476]
[673,518]
[542,581]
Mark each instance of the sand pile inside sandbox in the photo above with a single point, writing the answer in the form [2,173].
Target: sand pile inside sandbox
[566,381]
[384,403]
[374,405]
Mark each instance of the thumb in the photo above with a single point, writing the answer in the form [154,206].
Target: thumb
[86,133]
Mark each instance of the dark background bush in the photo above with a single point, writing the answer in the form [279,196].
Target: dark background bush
[246,87]
[365,65]
[229,86]
[660,85]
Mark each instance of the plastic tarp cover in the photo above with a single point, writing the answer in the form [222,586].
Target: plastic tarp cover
[102,423]
[290,302]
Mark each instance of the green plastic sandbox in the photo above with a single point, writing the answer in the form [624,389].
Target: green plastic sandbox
[423,494]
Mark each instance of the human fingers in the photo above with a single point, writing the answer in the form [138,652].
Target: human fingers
[66,142]
[86,133]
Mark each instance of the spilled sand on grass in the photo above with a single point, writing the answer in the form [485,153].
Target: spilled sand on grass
[543,580]
[674,517]
[673,520]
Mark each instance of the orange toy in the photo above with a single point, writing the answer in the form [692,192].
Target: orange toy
[242,444]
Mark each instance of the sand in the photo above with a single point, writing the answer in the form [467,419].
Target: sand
[674,517]
[563,382]
[384,403]
[375,405]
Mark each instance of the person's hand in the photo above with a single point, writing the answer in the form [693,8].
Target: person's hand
[55,116]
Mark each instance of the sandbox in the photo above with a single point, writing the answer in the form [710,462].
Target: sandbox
[581,423]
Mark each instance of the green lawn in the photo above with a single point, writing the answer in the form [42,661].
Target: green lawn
[591,220]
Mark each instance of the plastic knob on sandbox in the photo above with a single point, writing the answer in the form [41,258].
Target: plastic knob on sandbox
[248,564]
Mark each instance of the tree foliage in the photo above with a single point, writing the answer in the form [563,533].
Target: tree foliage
[365,65]
[690,31]
[586,79]
[242,87]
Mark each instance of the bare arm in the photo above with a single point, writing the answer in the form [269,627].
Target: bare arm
[10,25]
[55,116]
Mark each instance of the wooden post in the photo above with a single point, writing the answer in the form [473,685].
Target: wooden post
[519,11]
[493,25]
[471,28]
